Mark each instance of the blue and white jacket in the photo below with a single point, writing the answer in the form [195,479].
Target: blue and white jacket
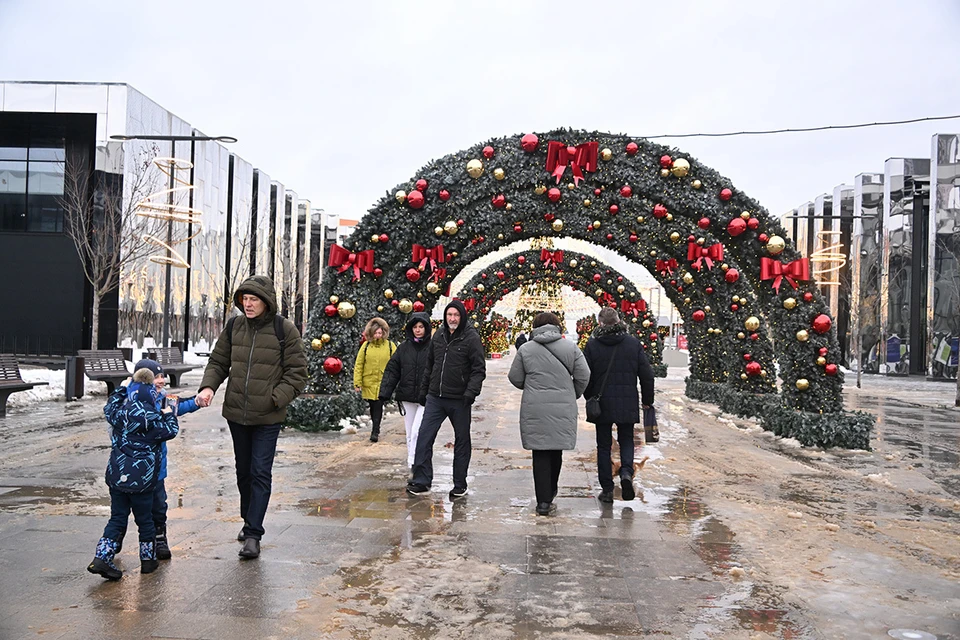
[183,407]
[139,429]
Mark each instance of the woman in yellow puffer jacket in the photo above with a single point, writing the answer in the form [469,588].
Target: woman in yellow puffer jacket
[368,371]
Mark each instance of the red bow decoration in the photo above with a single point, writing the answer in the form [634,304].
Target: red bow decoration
[583,156]
[777,271]
[638,307]
[666,267]
[423,255]
[551,258]
[344,260]
[469,304]
[698,254]
[606,298]
[438,274]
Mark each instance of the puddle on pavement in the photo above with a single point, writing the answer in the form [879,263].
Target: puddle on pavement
[15,497]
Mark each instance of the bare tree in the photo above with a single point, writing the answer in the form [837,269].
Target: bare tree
[225,278]
[101,218]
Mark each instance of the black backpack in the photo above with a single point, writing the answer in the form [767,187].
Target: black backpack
[277,329]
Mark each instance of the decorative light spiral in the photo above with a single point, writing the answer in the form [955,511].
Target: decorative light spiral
[161,205]
[828,259]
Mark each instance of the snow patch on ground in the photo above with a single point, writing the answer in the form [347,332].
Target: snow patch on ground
[54,389]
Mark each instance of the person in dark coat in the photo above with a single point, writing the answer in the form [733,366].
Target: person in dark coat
[456,367]
[521,340]
[552,373]
[404,375]
[619,401]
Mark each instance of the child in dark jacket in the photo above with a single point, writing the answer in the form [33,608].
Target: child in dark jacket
[138,431]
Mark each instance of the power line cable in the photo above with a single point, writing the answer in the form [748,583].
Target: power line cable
[775,131]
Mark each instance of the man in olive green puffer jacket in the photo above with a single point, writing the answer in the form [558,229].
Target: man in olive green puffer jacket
[263,380]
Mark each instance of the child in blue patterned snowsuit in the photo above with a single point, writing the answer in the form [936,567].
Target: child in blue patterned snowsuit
[132,472]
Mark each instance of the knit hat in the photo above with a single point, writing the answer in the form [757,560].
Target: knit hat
[153,365]
[146,395]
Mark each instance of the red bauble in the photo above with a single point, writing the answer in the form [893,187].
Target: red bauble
[488,152]
[529,142]
[384,238]
[666,162]
[734,307]
[499,201]
[597,277]
[417,306]
[395,302]
[377,272]
[444,195]
[626,191]
[548,217]
[673,283]
[521,259]
[553,195]
[823,351]
[330,310]
[763,237]
[709,290]
[619,278]
[747,357]
[633,237]
[822,323]
[726,194]
[732,275]
[332,365]
[421,185]
[501,275]
[736,226]
[517,228]
[659,211]
[653,337]
[597,192]
[830,369]
[460,222]
[703,223]
[699,315]
[413,274]
[415,199]
[632,148]
[753,223]
[753,368]
[483,275]
[609,236]
[754,336]
[614,209]
[808,297]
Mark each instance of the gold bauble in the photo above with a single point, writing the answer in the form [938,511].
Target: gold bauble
[775,245]
[802,335]
[669,217]
[686,301]
[789,303]
[316,344]
[499,236]
[499,173]
[598,292]
[438,231]
[724,266]
[433,287]
[474,168]
[653,254]
[680,168]
[540,190]
[509,206]
[741,335]
[596,224]
[664,173]
[763,373]
[419,295]
[621,289]
[346,310]
[450,227]
[633,320]
[557,225]
[325,338]
[334,299]
[752,323]
[609,282]
[380,308]
[401,196]
[743,376]
[593,263]
[571,186]
[587,202]
[707,309]
[745,215]
[388,294]
[375,238]
[688,278]
[405,305]
[821,361]
[674,237]
[574,263]
[803,384]
[736,298]
[481,288]
[700,241]
[606,154]
[646,323]
[697,184]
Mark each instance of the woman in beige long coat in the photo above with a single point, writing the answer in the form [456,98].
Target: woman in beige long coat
[372,359]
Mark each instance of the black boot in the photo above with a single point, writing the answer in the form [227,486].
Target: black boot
[626,485]
[148,557]
[375,434]
[103,560]
[163,548]
[251,549]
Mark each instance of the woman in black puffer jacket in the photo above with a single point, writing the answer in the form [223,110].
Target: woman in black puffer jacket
[404,376]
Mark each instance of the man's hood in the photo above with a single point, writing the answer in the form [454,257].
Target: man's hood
[456,304]
[610,334]
[545,334]
[263,288]
[414,319]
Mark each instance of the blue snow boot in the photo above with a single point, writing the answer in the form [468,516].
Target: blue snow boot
[103,560]
[148,557]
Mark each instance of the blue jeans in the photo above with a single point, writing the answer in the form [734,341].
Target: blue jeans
[436,411]
[121,504]
[604,462]
[253,449]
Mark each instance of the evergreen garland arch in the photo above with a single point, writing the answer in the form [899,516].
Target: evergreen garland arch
[651,204]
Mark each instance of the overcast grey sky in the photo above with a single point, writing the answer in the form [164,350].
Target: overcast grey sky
[343,100]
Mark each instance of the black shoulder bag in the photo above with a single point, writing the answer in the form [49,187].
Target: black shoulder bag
[593,402]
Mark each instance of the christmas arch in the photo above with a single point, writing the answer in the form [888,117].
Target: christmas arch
[721,258]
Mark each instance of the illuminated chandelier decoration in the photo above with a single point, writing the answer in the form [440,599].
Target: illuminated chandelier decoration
[828,259]
[163,205]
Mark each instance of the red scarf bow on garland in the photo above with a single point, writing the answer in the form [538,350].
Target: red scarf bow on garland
[551,258]
[777,271]
[469,304]
[697,254]
[638,307]
[344,260]
[583,156]
[666,267]
[423,255]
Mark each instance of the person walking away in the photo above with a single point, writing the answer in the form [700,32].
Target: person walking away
[610,347]
[137,431]
[456,367]
[553,373]
[262,354]
[403,376]
[372,359]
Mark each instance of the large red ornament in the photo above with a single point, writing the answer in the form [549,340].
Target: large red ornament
[521,259]
[488,152]
[499,201]
[626,191]
[699,315]
[666,162]
[726,194]
[830,369]
[415,199]
[632,148]
[553,195]
[330,310]
[736,226]
[421,185]
[659,211]
[501,275]
[597,277]
[444,195]
[332,365]
[822,323]
[703,223]
[653,337]
[529,142]
[413,274]
[417,306]
[753,223]
[732,275]
[753,368]
[614,209]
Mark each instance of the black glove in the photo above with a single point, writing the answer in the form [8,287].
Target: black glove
[422,401]
[468,400]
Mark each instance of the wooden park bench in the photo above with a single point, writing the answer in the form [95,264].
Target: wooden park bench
[10,380]
[171,359]
[105,365]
